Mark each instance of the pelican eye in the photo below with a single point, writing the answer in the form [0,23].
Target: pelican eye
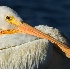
[11,20]
[8,17]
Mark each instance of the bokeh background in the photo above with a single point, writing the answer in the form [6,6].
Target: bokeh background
[54,13]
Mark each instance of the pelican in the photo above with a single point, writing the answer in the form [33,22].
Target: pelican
[24,46]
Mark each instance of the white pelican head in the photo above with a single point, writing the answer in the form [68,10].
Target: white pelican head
[7,13]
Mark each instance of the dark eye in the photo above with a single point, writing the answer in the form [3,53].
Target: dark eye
[7,17]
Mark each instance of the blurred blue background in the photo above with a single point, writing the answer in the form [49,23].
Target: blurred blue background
[54,13]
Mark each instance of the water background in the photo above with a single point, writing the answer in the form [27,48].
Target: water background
[54,13]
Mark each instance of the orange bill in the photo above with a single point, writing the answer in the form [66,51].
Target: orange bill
[9,31]
[25,28]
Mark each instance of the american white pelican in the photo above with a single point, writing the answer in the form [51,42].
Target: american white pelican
[18,50]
